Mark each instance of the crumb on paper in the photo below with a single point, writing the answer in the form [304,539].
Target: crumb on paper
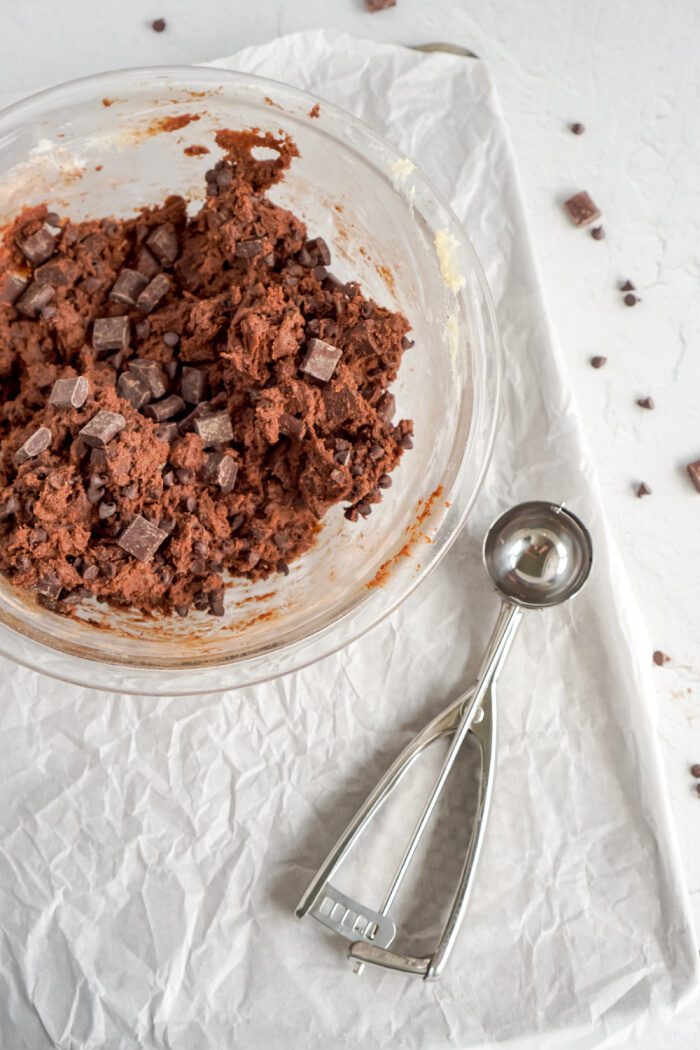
[446,248]
[400,170]
[315,110]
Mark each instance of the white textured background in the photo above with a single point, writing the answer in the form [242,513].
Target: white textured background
[630,72]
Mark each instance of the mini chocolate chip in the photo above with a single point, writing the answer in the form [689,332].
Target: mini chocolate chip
[351,513]
[577,129]
[168,479]
[129,491]
[165,409]
[364,509]
[384,481]
[40,245]
[181,610]
[9,508]
[598,233]
[375,453]
[407,343]
[643,490]
[191,504]
[320,273]
[627,286]
[406,441]
[166,432]
[171,338]
[695,770]
[282,567]
[342,457]
[184,475]
[660,658]
[158,25]
[171,368]
[598,362]
[193,384]
[91,573]
[249,249]
[143,329]
[630,299]
[646,402]
[356,471]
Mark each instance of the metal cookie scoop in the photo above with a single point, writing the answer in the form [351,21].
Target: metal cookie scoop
[538,555]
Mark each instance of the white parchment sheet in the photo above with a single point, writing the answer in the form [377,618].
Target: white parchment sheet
[152,851]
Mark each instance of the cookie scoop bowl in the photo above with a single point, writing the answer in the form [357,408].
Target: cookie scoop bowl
[106,145]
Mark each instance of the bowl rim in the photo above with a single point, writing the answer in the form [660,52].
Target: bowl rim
[198,678]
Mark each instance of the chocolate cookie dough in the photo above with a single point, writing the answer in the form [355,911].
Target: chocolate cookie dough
[184,398]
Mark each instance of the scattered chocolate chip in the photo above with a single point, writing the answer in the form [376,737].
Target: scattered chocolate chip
[320,360]
[581,209]
[598,362]
[695,770]
[379,5]
[630,299]
[364,509]
[35,444]
[214,429]
[193,384]
[292,427]
[165,409]
[102,428]
[191,504]
[322,250]
[181,610]
[171,338]
[249,249]
[11,287]
[162,242]
[69,393]
[133,390]
[386,407]
[158,25]
[115,361]
[627,286]
[106,510]
[384,482]
[406,343]
[577,129]
[598,233]
[35,298]
[406,441]
[149,373]
[375,453]
[128,287]
[305,258]
[110,333]
[38,247]
[694,473]
[129,491]
[660,658]
[168,479]
[342,457]
[91,573]
[167,432]
[153,293]
[646,402]
[356,471]
[643,490]
[320,273]
[141,538]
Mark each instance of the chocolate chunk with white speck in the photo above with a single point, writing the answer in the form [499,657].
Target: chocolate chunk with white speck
[214,429]
[163,243]
[11,287]
[694,473]
[128,287]
[221,470]
[153,293]
[292,427]
[141,539]
[133,390]
[38,247]
[36,297]
[102,428]
[165,409]
[110,333]
[69,393]
[35,444]
[581,209]
[320,360]
[193,383]
[249,249]
[150,374]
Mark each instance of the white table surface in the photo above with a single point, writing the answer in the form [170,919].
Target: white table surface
[630,73]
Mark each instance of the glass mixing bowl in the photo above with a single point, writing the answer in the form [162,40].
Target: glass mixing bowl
[102,146]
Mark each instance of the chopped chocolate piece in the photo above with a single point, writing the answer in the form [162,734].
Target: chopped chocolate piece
[193,384]
[578,129]
[51,273]
[129,491]
[11,287]
[49,586]
[133,390]
[320,273]
[630,299]
[386,407]
[168,479]
[249,249]
[181,610]
[141,538]
[36,297]
[646,402]
[115,361]
[146,263]
[69,393]
[581,209]
[38,247]
[306,258]
[322,250]
[9,507]
[291,427]
[407,343]
[128,287]
[222,470]
[153,293]
[660,658]
[35,444]
[214,429]
[627,286]
[186,425]
[216,603]
[694,473]
[342,457]
[695,770]
[171,338]
[106,510]
[110,333]
[91,573]
[598,233]
[384,482]
[163,243]
[158,25]
[167,432]
[150,374]
[598,362]
[643,490]
[406,441]
[320,360]
[165,409]
[379,5]
[102,428]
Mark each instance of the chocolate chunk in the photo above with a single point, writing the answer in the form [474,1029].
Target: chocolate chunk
[102,428]
[11,287]
[110,333]
[305,258]
[379,5]
[106,510]
[128,287]
[36,297]
[133,390]
[320,273]
[129,491]
[694,473]
[35,444]
[158,25]
[630,299]
[115,361]
[146,263]
[598,362]
[221,470]
[49,586]
[141,539]
[386,407]
[193,383]
[167,432]
[171,339]
[38,247]
[581,209]
[627,286]
[597,233]
[646,402]
[91,573]
[214,429]
[322,250]
[643,490]
[153,293]
[577,129]
[291,427]
[163,243]
[695,770]
[149,373]
[216,603]
[320,360]
[69,393]
[249,249]
[660,658]
[165,409]
[384,482]
[186,425]
[52,273]
[406,343]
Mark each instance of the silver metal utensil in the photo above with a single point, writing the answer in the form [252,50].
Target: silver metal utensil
[537,555]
